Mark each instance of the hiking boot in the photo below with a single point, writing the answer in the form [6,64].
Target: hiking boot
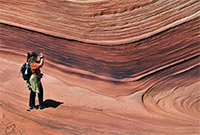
[32,107]
[42,107]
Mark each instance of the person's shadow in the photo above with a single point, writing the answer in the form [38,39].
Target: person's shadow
[48,103]
[51,103]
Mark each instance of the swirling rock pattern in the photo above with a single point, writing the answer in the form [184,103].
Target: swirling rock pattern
[120,67]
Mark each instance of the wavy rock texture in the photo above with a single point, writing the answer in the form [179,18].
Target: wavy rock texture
[116,67]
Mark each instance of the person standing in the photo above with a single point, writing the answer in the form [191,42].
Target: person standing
[36,62]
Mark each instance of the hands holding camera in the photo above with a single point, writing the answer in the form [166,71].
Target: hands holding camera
[41,55]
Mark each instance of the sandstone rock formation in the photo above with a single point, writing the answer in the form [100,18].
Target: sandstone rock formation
[118,67]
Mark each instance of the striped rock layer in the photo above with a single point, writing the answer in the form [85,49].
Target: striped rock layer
[119,67]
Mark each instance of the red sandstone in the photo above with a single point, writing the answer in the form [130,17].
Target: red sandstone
[119,67]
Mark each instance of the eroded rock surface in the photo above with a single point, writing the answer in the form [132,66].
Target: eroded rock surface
[113,67]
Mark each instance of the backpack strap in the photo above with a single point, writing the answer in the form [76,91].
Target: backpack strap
[27,67]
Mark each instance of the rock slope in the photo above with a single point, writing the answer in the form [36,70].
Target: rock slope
[116,67]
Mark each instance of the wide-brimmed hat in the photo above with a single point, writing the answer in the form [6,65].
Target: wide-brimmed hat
[33,54]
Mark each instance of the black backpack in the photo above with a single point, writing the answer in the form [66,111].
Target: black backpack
[26,70]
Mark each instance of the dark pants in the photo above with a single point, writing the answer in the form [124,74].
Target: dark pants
[32,97]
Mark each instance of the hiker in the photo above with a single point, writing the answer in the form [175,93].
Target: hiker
[36,62]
